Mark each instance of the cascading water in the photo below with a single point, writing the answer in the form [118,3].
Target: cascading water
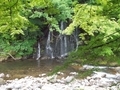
[49,49]
[38,51]
[38,54]
[63,42]
[57,44]
[76,38]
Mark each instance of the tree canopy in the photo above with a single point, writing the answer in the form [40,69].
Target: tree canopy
[23,20]
[99,19]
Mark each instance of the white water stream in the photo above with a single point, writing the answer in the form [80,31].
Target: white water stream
[38,54]
[49,49]
[59,45]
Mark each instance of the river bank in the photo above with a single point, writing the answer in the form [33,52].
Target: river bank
[98,80]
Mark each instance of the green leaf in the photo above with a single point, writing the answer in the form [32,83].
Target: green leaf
[106,51]
[36,15]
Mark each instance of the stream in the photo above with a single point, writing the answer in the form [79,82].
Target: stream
[25,75]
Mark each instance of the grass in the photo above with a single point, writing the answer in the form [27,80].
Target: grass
[84,74]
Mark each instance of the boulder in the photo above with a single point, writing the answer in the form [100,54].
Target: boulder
[2,81]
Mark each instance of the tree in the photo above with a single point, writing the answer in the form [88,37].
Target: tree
[99,19]
[48,12]
[22,21]
[14,29]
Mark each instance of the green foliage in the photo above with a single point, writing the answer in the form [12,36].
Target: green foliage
[11,21]
[48,12]
[17,34]
[22,21]
[16,48]
[111,8]
[100,23]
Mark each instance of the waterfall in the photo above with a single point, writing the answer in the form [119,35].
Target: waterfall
[63,42]
[38,54]
[49,49]
[57,45]
[76,38]
[38,51]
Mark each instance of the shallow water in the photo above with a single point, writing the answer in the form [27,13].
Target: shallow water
[18,69]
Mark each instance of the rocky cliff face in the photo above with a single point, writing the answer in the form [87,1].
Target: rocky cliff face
[56,45]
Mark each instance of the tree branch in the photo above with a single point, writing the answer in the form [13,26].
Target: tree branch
[105,43]
[12,56]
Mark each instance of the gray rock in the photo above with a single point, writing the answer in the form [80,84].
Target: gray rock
[117,69]
[2,81]
[7,75]
[2,75]
[69,79]
[48,87]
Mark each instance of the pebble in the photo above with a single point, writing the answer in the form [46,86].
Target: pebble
[97,81]
[68,79]
[7,75]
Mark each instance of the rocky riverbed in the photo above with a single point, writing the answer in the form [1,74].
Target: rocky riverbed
[98,80]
